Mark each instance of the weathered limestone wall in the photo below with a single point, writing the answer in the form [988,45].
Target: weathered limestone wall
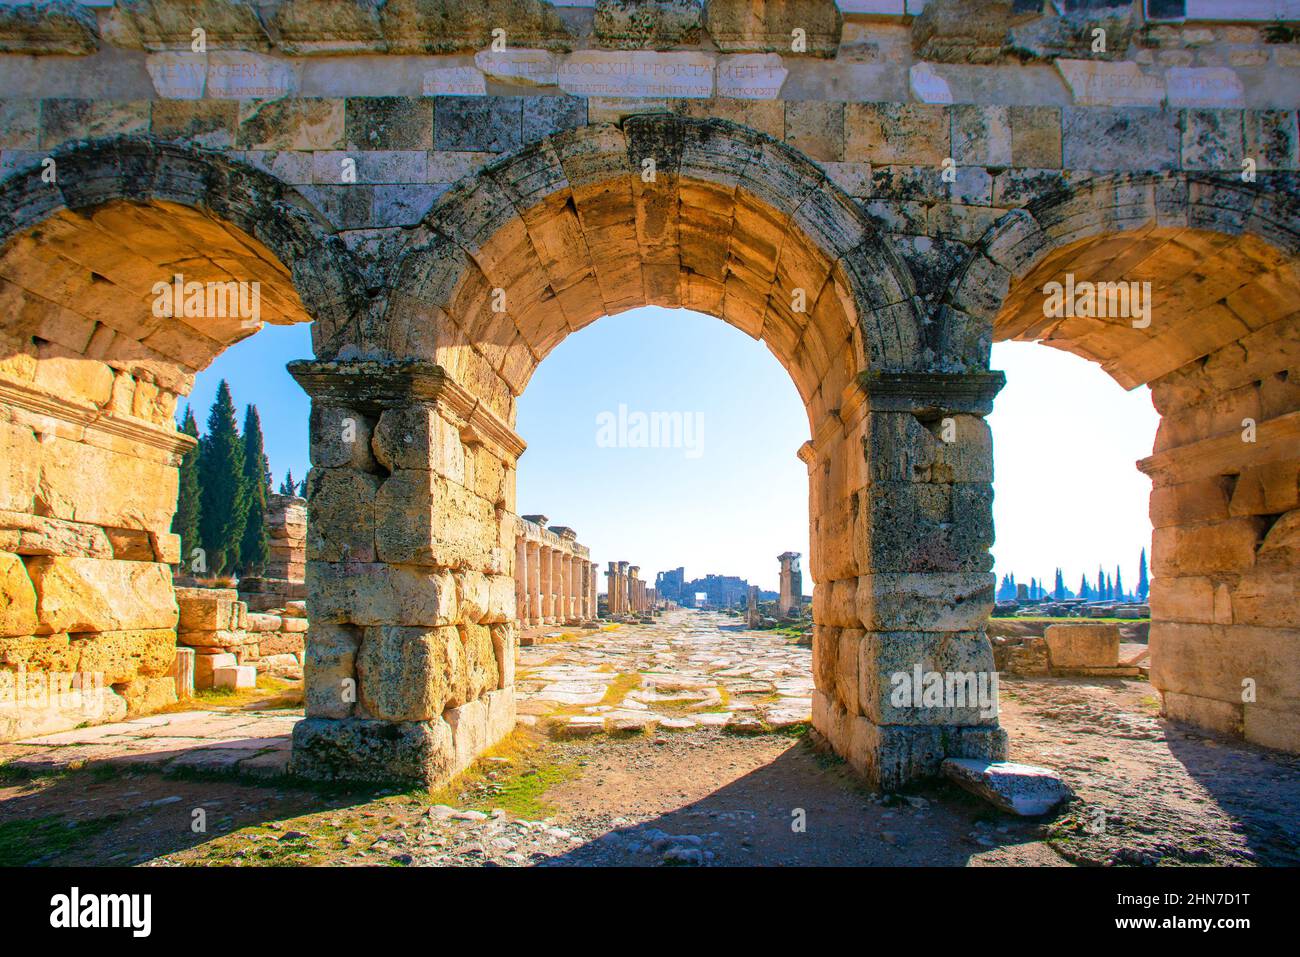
[1225,560]
[566,598]
[86,497]
[898,190]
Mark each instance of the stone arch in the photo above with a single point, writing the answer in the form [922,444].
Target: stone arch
[90,376]
[414,586]
[1221,355]
[734,224]
[317,274]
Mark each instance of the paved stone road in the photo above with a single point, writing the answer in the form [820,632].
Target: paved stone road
[689,669]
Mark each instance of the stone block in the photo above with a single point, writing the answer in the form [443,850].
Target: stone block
[739,26]
[940,601]
[205,666]
[329,670]
[928,678]
[340,438]
[885,133]
[490,124]
[388,123]
[482,674]
[1225,717]
[1131,138]
[406,674]
[424,519]
[90,594]
[891,756]
[300,123]
[1272,728]
[124,655]
[147,695]
[17,597]
[1227,662]
[1212,140]
[1083,645]
[1208,549]
[1036,137]
[182,672]
[342,502]
[87,483]
[240,676]
[1020,789]
[207,609]
[981,135]
[421,752]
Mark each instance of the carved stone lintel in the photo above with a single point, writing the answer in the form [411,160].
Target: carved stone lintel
[970,393]
[372,385]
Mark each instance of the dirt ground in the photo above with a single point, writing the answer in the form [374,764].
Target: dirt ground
[1148,793]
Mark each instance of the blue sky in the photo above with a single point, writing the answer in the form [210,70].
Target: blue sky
[1065,440]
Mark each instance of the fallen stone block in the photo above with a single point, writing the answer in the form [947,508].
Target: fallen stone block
[234,677]
[205,667]
[1021,789]
[1083,645]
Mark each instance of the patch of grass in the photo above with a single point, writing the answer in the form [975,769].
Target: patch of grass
[24,842]
[619,687]
[518,787]
[271,694]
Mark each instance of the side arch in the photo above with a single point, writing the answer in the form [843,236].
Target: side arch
[1220,349]
[321,272]
[1172,229]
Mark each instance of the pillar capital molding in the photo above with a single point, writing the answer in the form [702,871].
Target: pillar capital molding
[969,393]
[373,385]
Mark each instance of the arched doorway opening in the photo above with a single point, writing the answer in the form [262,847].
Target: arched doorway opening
[1213,261]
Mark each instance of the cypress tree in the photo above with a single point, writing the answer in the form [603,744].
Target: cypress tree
[1083,586]
[1101,585]
[257,485]
[224,502]
[185,522]
[288,486]
[1144,586]
[1059,590]
[1119,586]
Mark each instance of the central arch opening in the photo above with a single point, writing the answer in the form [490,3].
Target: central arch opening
[665,441]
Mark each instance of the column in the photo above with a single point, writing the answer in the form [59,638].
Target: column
[623,606]
[593,606]
[382,563]
[916,455]
[521,580]
[534,584]
[566,585]
[611,589]
[557,585]
[548,596]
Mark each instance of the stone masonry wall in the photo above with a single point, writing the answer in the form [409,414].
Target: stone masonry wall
[938,153]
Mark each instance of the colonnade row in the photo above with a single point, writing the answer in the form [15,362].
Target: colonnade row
[555,580]
[627,593]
